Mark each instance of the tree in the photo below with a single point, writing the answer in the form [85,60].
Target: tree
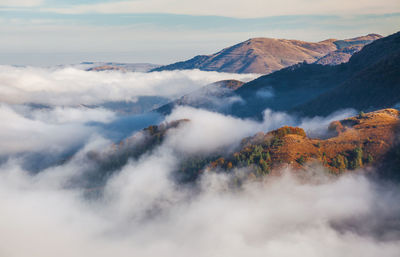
[264,166]
[340,162]
[268,157]
[357,158]
[370,159]
[301,160]
[359,153]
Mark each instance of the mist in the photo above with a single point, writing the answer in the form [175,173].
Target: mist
[143,213]
[140,209]
[71,86]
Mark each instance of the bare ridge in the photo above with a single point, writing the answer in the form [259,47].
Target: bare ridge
[266,55]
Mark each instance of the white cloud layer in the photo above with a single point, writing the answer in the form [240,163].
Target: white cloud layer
[70,86]
[50,131]
[210,131]
[237,8]
[144,214]
[142,211]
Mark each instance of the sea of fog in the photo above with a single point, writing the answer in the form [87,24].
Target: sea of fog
[52,118]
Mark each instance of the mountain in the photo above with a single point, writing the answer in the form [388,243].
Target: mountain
[285,89]
[265,55]
[370,80]
[373,81]
[359,141]
[107,68]
[215,96]
[366,140]
[112,66]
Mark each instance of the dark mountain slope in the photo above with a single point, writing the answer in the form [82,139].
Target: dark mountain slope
[374,82]
[288,88]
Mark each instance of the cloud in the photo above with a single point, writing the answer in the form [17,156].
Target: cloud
[207,131]
[142,213]
[70,86]
[236,8]
[41,38]
[265,93]
[61,115]
[66,124]
[210,131]
[318,126]
[141,210]
[22,134]
[21,3]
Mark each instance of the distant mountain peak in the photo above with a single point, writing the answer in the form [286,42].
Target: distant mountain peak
[265,55]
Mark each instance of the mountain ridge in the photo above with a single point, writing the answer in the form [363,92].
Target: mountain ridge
[265,55]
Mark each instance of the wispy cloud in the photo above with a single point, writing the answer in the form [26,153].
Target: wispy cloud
[20,3]
[236,8]
[50,38]
[165,31]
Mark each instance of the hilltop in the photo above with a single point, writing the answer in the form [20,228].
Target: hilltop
[265,55]
[355,142]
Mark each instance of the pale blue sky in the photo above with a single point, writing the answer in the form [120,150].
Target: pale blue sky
[44,32]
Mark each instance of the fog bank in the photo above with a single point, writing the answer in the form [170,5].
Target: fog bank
[140,209]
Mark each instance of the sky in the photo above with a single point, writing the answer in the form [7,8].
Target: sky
[49,32]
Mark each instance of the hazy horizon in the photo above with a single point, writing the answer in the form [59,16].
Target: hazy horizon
[134,56]
[50,32]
